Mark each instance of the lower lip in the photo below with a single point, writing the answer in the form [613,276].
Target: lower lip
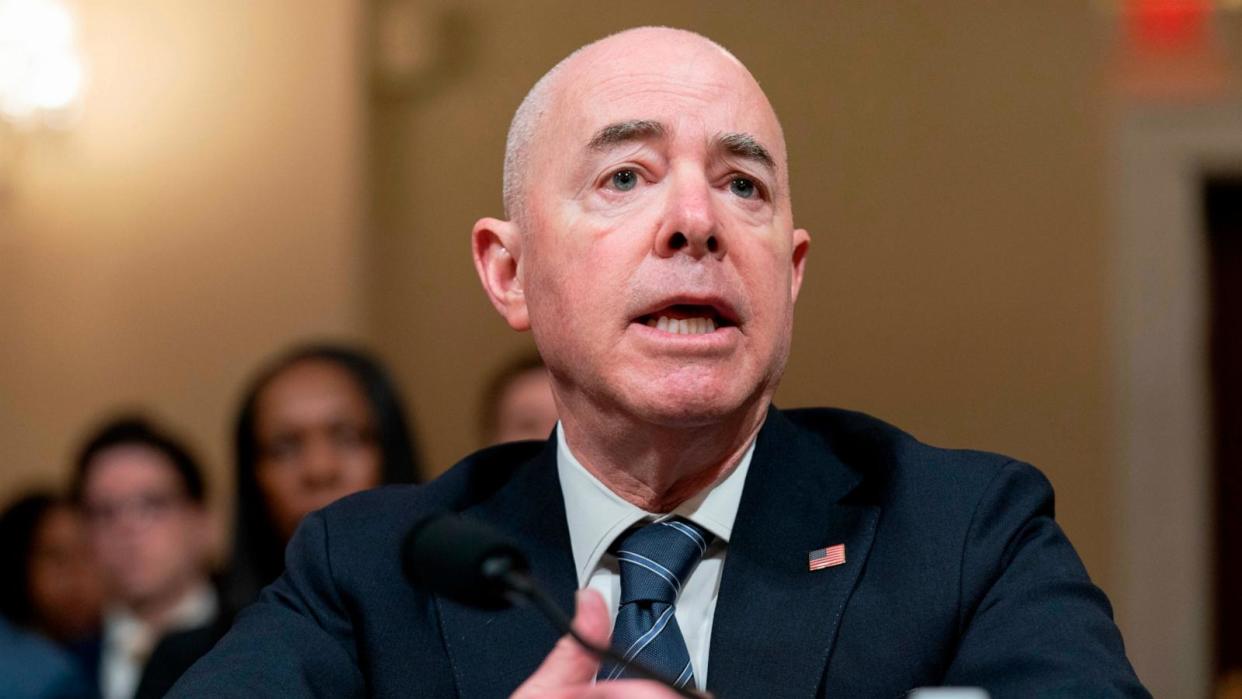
[717,340]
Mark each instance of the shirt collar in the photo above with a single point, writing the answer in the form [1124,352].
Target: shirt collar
[197,608]
[597,516]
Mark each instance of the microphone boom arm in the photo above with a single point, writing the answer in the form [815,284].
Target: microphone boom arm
[522,589]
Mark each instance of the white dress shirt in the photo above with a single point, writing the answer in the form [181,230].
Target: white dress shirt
[597,516]
[128,640]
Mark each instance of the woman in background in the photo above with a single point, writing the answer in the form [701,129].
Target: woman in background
[49,585]
[517,403]
[318,423]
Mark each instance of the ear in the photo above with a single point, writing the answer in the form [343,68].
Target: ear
[801,244]
[497,248]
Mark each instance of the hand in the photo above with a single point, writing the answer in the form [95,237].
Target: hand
[568,671]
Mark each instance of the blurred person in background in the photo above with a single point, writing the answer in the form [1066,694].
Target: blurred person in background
[144,501]
[319,422]
[518,404]
[1229,686]
[31,667]
[50,588]
[50,583]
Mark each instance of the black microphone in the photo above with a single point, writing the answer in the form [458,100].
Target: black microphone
[463,560]
[470,563]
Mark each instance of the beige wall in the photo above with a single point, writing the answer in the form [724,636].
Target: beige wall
[204,210]
[947,158]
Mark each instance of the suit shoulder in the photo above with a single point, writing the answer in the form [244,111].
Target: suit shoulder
[886,454]
[469,481]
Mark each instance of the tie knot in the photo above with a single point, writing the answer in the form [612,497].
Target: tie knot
[657,558]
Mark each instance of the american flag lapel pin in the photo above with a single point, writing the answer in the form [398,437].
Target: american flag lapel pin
[826,557]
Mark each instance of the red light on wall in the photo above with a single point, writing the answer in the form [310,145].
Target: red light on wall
[1170,50]
[1166,26]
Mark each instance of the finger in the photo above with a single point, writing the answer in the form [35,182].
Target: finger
[631,689]
[591,618]
[569,664]
[618,689]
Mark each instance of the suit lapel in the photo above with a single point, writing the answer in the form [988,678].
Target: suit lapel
[776,621]
[492,652]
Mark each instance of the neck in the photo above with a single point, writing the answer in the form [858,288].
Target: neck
[657,467]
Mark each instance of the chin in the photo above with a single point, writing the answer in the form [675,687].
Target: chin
[138,591]
[688,409]
[684,396]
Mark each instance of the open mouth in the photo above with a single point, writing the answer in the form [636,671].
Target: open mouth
[687,319]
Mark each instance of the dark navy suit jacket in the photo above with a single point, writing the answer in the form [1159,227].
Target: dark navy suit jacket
[955,573]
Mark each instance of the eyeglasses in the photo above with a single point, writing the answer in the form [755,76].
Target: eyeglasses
[142,507]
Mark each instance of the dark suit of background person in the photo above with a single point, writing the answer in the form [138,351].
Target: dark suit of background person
[956,573]
[175,653]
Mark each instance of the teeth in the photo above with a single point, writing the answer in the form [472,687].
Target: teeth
[683,326]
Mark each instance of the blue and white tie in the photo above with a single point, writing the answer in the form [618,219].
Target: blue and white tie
[655,559]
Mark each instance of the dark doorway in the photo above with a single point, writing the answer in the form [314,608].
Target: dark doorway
[1223,217]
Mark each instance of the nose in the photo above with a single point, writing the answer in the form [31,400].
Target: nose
[690,225]
[321,468]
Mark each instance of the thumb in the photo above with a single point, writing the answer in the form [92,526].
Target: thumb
[591,618]
[570,664]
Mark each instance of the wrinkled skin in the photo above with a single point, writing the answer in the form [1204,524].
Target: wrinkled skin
[666,222]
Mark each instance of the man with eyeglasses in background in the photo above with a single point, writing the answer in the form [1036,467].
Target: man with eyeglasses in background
[143,498]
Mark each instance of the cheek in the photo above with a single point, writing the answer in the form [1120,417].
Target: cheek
[581,253]
[44,583]
[106,545]
[171,550]
[768,279]
[362,468]
[565,306]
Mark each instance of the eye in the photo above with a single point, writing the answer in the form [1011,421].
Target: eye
[282,448]
[624,180]
[743,187]
[351,436]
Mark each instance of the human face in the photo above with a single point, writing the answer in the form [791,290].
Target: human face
[658,190]
[316,439]
[64,580]
[526,409]
[150,539]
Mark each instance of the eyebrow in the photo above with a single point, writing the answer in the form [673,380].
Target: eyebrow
[745,146]
[625,132]
[740,145]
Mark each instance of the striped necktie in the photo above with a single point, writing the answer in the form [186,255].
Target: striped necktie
[655,560]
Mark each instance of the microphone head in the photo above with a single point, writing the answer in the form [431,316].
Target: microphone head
[461,559]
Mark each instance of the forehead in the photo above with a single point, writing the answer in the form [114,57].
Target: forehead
[310,375]
[307,385]
[130,468]
[691,87]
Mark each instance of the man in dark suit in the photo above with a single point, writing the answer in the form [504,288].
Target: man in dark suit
[650,248]
[144,502]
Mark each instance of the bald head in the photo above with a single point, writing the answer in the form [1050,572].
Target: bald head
[553,92]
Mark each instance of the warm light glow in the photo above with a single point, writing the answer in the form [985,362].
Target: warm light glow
[1169,25]
[40,71]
